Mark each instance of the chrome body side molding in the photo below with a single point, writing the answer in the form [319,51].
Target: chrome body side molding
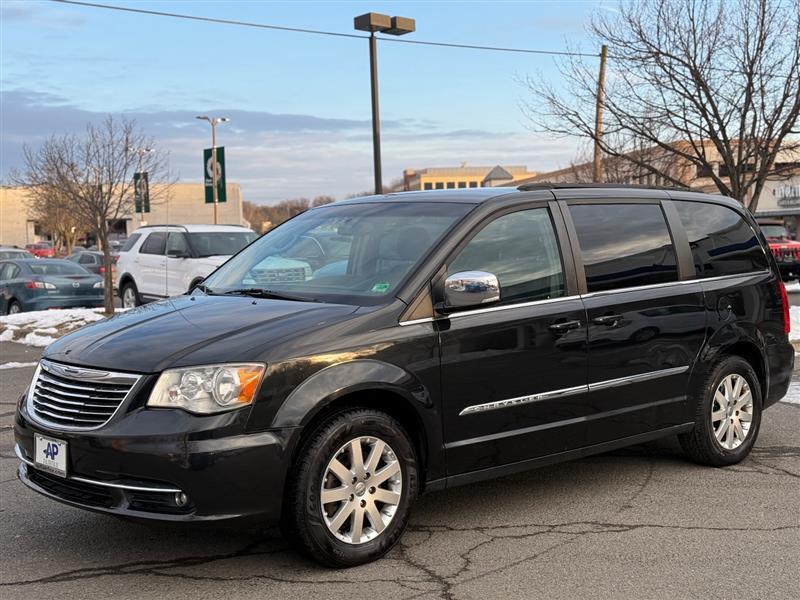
[579,389]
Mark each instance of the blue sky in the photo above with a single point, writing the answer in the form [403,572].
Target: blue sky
[299,103]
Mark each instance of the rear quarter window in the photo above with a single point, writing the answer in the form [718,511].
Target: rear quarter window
[722,242]
[130,242]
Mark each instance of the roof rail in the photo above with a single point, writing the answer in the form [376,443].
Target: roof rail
[529,187]
[161,225]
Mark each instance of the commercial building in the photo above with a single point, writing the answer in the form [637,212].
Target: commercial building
[183,203]
[779,199]
[447,178]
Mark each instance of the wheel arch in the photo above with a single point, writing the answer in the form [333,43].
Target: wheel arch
[366,384]
[750,351]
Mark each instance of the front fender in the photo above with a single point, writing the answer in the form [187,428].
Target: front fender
[337,380]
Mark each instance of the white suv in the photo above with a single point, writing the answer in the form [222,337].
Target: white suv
[165,260]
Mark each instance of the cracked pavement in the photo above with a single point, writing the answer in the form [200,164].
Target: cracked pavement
[637,523]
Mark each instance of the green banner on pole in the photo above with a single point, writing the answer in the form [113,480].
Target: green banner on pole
[141,192]
[209,175]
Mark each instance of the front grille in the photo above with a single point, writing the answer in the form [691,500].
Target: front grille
[262,276]
[69,489]
[77,398]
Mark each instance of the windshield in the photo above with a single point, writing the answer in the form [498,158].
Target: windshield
[217,243]
[775,231]
[357,253]
[44,267]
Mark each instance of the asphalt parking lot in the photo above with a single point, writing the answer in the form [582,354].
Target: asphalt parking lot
[638,523]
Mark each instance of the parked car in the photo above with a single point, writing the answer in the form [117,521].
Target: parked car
[40,284]
[11,253]
[471,334]
[41,249]
[161,261]
[785,249]
[90,260]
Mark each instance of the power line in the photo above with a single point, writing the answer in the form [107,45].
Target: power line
[157,13]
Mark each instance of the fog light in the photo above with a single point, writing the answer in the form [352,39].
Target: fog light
[181,500]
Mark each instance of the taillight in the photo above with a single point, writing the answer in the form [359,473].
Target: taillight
[787,320]
[102,270]
[39,285]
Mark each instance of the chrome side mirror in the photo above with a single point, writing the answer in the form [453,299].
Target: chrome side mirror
[470,288]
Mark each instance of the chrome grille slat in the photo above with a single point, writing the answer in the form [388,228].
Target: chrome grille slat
[39,394]
[45,386]
[77,398]
[48,378]
[76,411]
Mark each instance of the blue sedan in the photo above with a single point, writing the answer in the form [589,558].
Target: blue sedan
[41,284]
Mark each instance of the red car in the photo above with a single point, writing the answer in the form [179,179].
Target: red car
[785,250]
[41,250]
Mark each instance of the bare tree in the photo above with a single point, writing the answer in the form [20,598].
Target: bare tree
[697,83]
[94,173]
[55,214]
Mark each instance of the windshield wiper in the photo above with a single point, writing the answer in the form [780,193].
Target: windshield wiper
[264,293]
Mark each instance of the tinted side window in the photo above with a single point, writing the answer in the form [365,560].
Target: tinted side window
[722,242]
[155,243]
[176,244]
[624,245]
[9,271]
[86,259]
[129,243]
[521,249]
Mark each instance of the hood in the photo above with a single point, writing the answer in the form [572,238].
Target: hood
[192,330]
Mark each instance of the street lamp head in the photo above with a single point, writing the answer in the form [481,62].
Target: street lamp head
[376,22]
[401,26]
[223,119]
[372,22]
[203,118]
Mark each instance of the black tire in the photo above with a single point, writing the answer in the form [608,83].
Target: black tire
[11,305]
[130,287]
[303,524]
[701,444]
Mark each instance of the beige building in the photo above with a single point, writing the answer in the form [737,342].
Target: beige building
[184,205]
[447,178]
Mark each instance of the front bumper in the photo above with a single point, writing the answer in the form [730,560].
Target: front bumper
[139,464]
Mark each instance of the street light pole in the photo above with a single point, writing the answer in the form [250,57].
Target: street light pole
[376,113]
[374,22]
[214,121]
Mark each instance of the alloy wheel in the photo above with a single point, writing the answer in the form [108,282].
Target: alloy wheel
[14,309]
[361,489]
[732,411]
[129,298]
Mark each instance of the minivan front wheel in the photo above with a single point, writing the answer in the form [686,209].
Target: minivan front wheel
[350,494]
[728,415]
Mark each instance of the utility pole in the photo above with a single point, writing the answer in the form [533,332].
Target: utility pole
[597,171]
[214,174]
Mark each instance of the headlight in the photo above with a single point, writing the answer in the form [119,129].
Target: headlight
[207,389]
[99,284]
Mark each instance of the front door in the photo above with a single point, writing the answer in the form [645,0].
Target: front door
[514,373]
[646,323]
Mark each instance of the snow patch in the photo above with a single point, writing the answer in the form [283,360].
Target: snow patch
[17,365]
[793,286]
[794,313]
[43,327]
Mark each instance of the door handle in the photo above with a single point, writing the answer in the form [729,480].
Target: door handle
[607,320]
[564,326]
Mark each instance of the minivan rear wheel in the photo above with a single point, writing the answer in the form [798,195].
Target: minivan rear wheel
[728,415]
[350,491]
